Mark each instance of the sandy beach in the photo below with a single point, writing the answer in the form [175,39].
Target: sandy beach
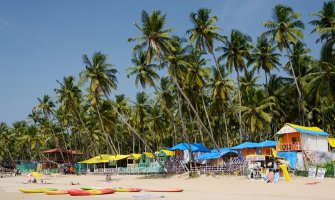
[204,187]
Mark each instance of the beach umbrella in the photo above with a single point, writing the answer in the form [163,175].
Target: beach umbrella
[35,174]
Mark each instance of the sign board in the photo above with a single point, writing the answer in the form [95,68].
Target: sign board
[311,172]
[255,158]
[321,173]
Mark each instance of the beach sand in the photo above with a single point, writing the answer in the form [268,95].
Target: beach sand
[203,187]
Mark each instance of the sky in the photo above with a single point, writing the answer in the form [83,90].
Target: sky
[43,41]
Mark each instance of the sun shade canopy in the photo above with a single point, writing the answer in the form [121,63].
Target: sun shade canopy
[215,154]
[185,146]
[292,128]
[245,145]
[267,143]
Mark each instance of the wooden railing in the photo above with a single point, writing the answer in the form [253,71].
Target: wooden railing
[289,146]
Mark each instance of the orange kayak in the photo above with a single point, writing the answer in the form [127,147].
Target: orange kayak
[164,190]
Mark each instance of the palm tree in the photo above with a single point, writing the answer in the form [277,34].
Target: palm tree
[7,142]
[285,28]
[155,38]
[221,88]
[256,111]
[31,139]
[325,24]
[204,32]
[320,81]
[249,81]
[145,73]
[140,111]
[264,57]
[102,78]
[197,74]
[47,106]
[236,52]
[69,94]
[177,69]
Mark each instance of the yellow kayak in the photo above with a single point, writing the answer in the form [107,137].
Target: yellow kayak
[58,192]
[38,190]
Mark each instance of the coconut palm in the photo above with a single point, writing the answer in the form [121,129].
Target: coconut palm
[256,111]
[141,110]
[204,31]
[248,81]
[221,88]
[178,63]
[320,82]
[236,52]
[69,94]
[145,73]
[155,38]
[264,57]
[102,78]
[285,28]
[325,24]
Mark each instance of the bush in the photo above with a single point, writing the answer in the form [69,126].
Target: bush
[194,174]
[329,168]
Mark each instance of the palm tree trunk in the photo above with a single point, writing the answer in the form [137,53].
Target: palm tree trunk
[200,129]
[110,143]
[54,134]
[195,112]
[301,110]
[239,109]
[208,121]
[134,131]
[184,130]
[85,128]
[226,128]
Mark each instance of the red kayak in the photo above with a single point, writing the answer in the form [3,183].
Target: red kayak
[164,190]
[90,192]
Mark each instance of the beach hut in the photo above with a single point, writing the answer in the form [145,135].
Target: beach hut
[218,157]
[246,148]
[300,145]
[51,159]
[133,160]
[163,155]
[293,137]
[266,147]
[60,156]
[182,151]
[145,159]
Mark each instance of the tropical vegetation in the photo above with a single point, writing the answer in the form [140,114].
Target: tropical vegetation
[217,87]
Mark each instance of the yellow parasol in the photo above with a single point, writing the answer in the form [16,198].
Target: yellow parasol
[36,175]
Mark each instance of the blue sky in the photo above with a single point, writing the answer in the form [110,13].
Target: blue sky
[43,41]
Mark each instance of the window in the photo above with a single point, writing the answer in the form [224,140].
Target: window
[295,139]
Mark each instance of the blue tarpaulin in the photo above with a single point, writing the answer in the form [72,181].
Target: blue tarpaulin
[245,145]
[224,150]
[214,154]
[290,156]
[209,155]
[185,146]
[267,143]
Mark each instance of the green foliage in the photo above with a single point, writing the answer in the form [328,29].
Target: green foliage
[192,101]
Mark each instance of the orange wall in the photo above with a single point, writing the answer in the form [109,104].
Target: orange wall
[266,150]
[246,152]
[287,138]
